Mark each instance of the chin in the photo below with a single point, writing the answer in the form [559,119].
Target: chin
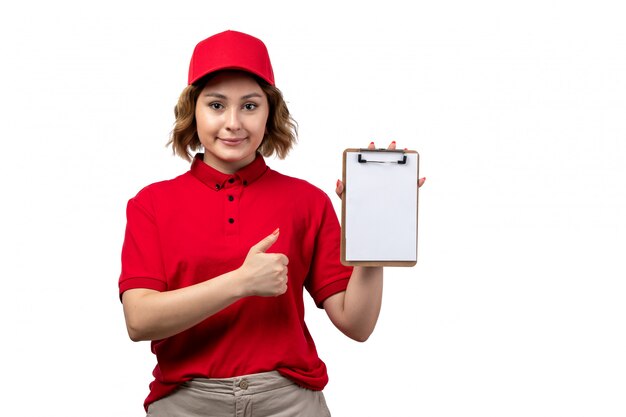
[233,156]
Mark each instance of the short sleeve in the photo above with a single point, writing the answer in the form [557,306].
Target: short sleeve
[142,262]
[327,275]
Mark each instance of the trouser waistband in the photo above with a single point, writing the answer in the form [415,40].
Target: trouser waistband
[241,385]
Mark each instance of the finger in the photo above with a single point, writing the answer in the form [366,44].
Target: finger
[371,146]
[339,189]
[392,146]
[266,243]
[281,259]
[282,290]
[421,182]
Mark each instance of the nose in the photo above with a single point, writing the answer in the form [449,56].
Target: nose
[233,121]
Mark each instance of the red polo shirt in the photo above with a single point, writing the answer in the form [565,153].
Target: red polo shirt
[202,224]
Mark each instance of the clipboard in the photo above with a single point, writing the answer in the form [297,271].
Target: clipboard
[379,207]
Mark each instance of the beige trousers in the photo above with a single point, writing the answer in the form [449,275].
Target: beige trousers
[258,395]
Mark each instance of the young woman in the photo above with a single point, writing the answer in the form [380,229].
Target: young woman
[214,261]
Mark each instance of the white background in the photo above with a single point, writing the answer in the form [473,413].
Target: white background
[517,304]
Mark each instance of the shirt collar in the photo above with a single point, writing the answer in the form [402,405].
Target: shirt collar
[217,180]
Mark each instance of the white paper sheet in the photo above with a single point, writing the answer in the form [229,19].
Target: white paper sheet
[381,207]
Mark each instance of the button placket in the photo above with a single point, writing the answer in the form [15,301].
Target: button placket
[232,191]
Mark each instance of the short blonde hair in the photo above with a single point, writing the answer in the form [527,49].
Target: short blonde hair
[280,134]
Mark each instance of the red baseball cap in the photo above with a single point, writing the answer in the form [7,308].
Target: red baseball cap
[231,50]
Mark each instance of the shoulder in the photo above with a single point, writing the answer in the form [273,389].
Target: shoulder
[299,197]
[301,194]
[303,188]
[163,190]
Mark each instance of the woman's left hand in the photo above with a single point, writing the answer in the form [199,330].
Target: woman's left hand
[392,146]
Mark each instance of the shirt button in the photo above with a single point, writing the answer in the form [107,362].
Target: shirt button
[231,220]
[231,198]
[245,182]
[217,186]
[231,180]
[243,384]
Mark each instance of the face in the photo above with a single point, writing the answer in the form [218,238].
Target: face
[231,115]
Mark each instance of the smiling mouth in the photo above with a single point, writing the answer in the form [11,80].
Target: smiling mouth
[231,142]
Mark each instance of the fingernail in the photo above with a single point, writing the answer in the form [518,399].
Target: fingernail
[393,141]
[406,149]
[371,143]
[275,232]
[337,183]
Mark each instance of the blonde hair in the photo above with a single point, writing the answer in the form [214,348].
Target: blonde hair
[280,134]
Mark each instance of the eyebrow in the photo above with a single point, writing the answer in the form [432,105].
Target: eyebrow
[223,97]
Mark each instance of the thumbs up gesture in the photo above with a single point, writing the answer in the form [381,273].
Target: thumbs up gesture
[265,274]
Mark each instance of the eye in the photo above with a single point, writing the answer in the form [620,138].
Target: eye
[249,106]
[216,105]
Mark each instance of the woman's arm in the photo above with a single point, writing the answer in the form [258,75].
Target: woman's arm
[355,311]
[153,315]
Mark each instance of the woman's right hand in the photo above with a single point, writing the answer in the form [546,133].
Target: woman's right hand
[155,315]
[264,274]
